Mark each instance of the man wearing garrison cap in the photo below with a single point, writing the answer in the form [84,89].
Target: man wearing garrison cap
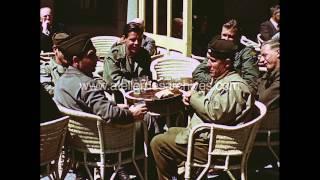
[228,102]
[51,71]
[77,90]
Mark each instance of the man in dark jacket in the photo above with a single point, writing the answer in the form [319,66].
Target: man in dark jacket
[269,83]
[271,27]
[47,28]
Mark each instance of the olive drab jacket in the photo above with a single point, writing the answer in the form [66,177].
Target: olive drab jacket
[77,91]
[50,72]
[119,69]
[245,63]
[228,102]
[269,94]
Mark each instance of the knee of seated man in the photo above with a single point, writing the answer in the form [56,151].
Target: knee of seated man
[156,141]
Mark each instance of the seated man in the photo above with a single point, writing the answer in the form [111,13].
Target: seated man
[127,60]
[245,60]
[47,28]
[147,43]
[231,105]
[76,89]
[271,27]
[269,84]
[51,71]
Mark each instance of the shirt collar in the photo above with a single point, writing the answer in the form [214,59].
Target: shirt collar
[274,23]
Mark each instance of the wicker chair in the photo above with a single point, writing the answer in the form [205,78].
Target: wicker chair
[247,42]
[227,142]
[260,40]
[52,136]
[268,134]
[46,56]
[173,66]
[103,44]
[89,134]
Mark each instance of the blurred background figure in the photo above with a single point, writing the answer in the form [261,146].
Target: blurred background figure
[272,26]
[200,35]
[47,28]
[51,71]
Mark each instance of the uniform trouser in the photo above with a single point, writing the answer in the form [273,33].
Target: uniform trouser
[168,155]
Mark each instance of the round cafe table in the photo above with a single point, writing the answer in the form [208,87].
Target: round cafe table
[166,107]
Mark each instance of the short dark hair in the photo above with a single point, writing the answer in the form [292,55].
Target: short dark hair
[232,24]
[132,27]
[275,8]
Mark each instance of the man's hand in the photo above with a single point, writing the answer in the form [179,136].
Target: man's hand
[45,25]
[186,98]
[138,111]
[123,106]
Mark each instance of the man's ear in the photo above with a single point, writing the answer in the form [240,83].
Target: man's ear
[75,60]
[278,53]
[228,63]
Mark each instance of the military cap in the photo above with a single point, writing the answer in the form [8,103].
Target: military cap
[58,38]
[222,49]
[77,45]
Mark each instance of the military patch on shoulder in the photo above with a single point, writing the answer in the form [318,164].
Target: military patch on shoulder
[253,53]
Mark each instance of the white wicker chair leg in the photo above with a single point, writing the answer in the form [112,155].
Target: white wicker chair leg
[271,149]
[102,166]
[86,166]
[137,169]
[114,174]
[146,168]
[203,172]
[231,175]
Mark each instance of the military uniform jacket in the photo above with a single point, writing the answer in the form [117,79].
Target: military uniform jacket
[228,102]
[245,64]
[75,90]
[118,69]
[269,94]
[269,89]
[50,72]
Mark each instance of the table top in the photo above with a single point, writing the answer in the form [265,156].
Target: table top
[154,104]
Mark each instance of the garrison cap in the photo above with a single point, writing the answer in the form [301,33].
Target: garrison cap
[58,38]
[222,49]
[76,45]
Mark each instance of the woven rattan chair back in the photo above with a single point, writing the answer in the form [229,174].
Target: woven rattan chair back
[52,136]
[226,141]
[103,44]
[90,134]
[173,66]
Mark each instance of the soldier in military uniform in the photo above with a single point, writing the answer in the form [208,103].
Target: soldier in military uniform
[127,60]
[245,62]
[228,102]
[76,89]
[51,71]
